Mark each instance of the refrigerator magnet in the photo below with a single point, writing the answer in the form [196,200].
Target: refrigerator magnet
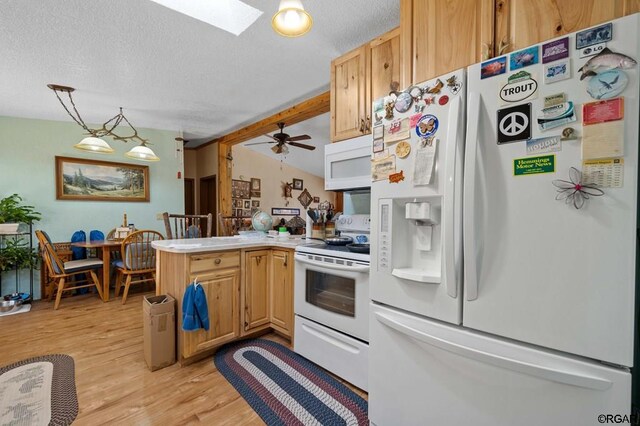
[403,149]
[556,116]
[603,111]
[378,145]
[493,67]
[557,71]
[608,84]
[378,132]
[558,98]
[514,124]
[575,191]
[427,125]
[592,36]
[544,145]
[436,87]
[523,58]
[396,177]
[443,100]
[555,50]
[520,86]
[453,84]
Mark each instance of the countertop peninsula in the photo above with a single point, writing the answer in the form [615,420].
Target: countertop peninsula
[200,245]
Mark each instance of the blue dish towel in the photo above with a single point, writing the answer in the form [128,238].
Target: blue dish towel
[195,312]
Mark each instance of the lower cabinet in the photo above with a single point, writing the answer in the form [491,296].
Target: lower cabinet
[255,292]
[221,288]
[282,291]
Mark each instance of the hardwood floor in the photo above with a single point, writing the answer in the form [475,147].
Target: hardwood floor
[113,383]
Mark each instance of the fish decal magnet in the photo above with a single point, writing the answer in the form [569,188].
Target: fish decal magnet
[606,60]
[524,58]
[607,85]
[493,67]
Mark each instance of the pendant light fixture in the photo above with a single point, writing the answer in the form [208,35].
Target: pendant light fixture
[291,20]
[94,142]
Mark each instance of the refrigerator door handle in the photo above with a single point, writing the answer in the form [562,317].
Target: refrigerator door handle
[453,131]
[468,202]
[546,373]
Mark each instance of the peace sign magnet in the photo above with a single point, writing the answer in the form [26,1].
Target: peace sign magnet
[514,124]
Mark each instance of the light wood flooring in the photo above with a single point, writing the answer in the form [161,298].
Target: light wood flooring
[113,383]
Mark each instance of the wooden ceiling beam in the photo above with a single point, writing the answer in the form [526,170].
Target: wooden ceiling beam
[295,114]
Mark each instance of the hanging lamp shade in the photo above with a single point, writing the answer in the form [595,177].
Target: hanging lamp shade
[142,152]
[94,144]
[291,20]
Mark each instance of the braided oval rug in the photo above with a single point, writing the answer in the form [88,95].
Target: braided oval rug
[38,391]
[287,389]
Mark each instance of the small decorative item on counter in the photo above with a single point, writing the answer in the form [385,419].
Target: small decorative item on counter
[317,231]
[296,224]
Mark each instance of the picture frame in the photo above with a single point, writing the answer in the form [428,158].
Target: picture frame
[83,179]
[255,184]
[255,194]
[298,184]
[283,211]
[246,212]
[255,203]
[247,204]
[316,199]
[240,188]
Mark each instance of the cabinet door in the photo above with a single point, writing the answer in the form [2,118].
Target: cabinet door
[447,34]
[282,291]
[256,289]
[521,23]
[221,289]
[349,101]
[384,54]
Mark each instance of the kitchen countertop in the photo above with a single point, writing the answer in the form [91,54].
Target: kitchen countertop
[199,245]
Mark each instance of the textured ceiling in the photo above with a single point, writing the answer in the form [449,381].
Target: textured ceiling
[167,70]
[309,161]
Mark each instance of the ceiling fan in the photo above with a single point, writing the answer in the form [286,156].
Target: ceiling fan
[282,139]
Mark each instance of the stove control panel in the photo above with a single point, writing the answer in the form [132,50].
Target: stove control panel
[354,223]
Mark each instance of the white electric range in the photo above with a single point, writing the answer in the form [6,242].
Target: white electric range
[331,303]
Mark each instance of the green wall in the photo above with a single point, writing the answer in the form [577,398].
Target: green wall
[27,167]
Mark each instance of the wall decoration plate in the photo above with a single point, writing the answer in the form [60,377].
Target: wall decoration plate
[608,84]
[305,198]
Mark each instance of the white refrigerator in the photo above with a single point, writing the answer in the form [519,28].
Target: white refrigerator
[503,290]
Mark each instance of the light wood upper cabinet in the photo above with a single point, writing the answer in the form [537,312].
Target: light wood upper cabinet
[221,289]
[256,289]
[348,95]
[445,35]
[282,291]
[384,71]
[521,23]
[359,77]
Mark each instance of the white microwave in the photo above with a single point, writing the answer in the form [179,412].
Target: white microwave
[347,164]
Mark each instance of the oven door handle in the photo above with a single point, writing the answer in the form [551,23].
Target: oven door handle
[358,268]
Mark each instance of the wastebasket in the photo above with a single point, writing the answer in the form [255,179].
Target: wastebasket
[159,320]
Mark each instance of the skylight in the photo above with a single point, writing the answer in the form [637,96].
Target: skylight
[233,16]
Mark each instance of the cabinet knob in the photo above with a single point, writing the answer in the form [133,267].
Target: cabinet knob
[218,261]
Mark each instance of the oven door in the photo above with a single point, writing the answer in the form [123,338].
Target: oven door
[333,292]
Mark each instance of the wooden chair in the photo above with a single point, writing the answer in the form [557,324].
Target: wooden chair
[62,271]
[187,226]
[223,226]
[138,260]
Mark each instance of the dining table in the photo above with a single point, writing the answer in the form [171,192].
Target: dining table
[106,247]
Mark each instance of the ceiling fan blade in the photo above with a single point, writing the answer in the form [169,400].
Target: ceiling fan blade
[258,143]
[301,145]
[272,137]
[298,138]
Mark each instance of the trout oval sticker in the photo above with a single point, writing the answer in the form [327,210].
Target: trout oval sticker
[519,87]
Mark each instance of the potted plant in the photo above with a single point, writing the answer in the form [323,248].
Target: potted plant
[13,213]
[16,254]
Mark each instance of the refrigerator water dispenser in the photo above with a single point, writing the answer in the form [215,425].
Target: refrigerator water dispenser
[409,237]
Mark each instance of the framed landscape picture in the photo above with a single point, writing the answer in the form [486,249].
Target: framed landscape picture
[94,180]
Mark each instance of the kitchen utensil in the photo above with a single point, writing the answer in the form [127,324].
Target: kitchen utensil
[10,305]
[358,248]
[338,241]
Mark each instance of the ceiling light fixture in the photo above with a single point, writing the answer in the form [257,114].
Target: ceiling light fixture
[291,20]
[94,143]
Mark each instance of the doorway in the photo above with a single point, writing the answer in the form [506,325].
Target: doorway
[189,196]
[208,199]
